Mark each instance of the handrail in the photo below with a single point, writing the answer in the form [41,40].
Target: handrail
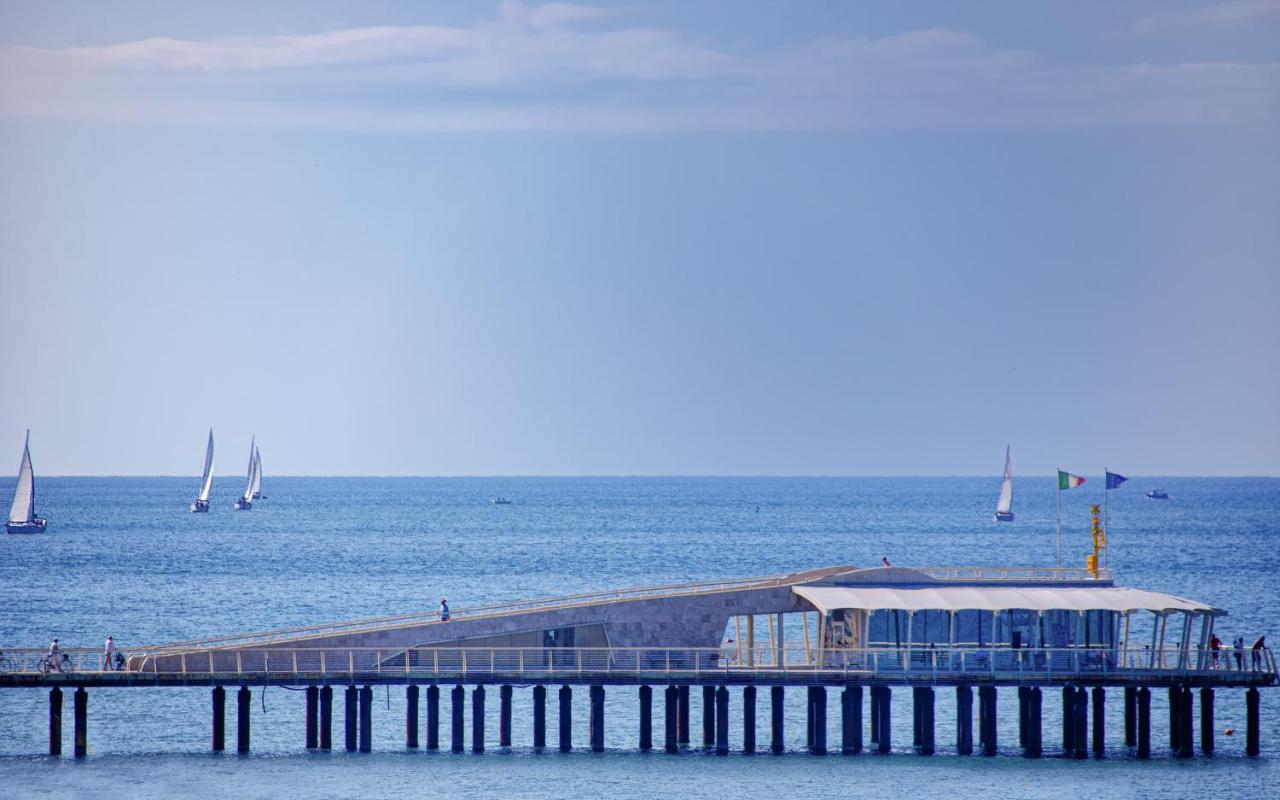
[914,662]
[1017,573]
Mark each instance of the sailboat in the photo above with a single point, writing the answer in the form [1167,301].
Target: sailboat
[206,482]
[245,502]
[257,476]
[22,514]
[1004,506]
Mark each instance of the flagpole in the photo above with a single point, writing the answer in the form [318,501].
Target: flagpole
[1059,490]
[1106,510]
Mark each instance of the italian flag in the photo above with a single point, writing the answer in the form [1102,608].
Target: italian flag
[1068,481]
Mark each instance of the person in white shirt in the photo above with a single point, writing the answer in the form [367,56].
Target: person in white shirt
[444,610]
[109,654]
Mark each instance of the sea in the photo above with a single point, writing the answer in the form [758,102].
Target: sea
[125,557]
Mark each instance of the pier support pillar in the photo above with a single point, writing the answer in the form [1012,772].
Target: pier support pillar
[777,713]
[669,716]
[366,719]
[884,716]
[1253,715]
[924,715]
[1175,724]
[433,717]
[1033,746]
[851,720]
[987,718]
[1024,693]
[351,711]
[539,717]
[566,719]
[243,699]
[504,716]
[722,721]
[219,719]
[819,746]
[457,735]
[411,693]
[477,719]
[682,716]
[595,721]
[964,720]
[326,718]
[1186,718]
[708,716]
[55,721]
[1130,716]
[1206,721]
[808,719]
[81,747]
[1068,720]
[1143,700]
[1080,721]
[646,718]
[748,719]
[312,717]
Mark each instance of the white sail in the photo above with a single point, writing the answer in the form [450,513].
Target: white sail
[256,487]
[253,462]
[23,510]
[206,482]
[1005,504]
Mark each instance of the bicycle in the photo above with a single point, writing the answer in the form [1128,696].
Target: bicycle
[48,664]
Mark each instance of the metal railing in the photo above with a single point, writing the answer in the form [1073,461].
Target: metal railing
[915,663]
[1035,574]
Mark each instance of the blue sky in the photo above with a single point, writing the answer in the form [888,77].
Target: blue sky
[712,238]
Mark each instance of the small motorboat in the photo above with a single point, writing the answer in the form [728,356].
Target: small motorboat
[499,501]
[1158,494]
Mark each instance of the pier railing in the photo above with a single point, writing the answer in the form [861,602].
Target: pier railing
[913,664]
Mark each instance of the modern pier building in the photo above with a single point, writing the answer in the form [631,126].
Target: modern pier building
[865,632]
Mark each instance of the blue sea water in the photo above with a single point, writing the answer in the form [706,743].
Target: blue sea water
[124,556]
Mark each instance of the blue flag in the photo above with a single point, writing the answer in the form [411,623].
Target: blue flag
[1114,480]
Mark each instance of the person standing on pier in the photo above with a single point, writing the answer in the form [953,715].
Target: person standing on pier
[108,654]
[884,562]
[444,610]
[1239,652]
[1257,652]
[1215,645]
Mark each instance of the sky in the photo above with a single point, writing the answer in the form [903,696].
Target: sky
[472,238]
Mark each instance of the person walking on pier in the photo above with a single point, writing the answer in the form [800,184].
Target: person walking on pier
[55,655]
[1239,652]
[444,610]
[1257,652]
[108,654]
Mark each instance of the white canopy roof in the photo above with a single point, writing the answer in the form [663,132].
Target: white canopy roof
[995,598]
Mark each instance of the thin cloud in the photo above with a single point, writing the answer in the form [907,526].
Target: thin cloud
[571,67]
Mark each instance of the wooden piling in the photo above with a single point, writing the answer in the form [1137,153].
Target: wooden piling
[457,730]
[366,719]
[82,723]
[884,724]
[1130,716]
[1253,715]
[595,727]
[312,717]
[851,720]
[924,708]
[1143,700]
[748,716]
[987,711]
[708,716]
[777,713]
[669,718]
[682,716]
[1206,721]
[1034,747]
[351,712]
[1099,722]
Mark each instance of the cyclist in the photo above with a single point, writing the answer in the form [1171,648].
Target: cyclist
[55,655]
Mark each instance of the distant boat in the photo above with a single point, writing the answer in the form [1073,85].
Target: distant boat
[1004,506]
[1158,494]
[257,475]
[499,501]
[245,502]
[201,505]
[22,514]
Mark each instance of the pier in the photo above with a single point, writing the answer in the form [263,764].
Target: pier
[872,636]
